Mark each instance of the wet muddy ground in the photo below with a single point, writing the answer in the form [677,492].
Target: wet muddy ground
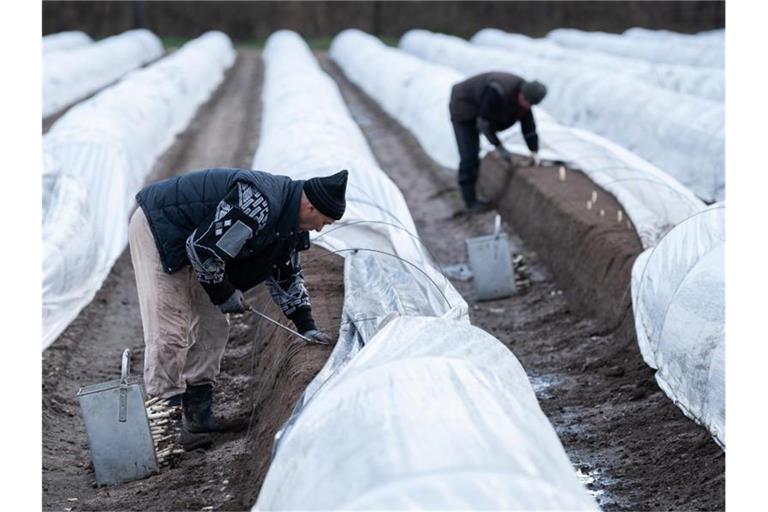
[619,429]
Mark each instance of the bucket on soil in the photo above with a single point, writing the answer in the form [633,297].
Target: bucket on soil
[118,428]
[491,264]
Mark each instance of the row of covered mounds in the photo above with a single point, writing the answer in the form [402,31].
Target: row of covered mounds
[407,411]
[65,40]
[706,49]
[682,134]
[96,157]
[74,67]
[705,82]
[598,262]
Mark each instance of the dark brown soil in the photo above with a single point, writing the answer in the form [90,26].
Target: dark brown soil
[572,329]
[263,370]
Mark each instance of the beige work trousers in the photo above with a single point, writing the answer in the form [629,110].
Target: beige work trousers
[184,333]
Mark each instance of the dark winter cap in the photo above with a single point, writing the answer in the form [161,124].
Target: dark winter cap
[326,193]
[534,91]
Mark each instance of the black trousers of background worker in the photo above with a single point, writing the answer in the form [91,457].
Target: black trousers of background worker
[468,140]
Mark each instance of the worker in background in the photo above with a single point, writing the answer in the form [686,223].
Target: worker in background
[197,242]
[488,103]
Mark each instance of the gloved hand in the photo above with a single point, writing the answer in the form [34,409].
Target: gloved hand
[317,336]
[234,304]
[504,154]
[536,159]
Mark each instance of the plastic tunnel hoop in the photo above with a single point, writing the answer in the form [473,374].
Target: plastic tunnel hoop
[424,272]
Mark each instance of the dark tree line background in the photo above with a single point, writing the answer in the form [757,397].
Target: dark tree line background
[256,20]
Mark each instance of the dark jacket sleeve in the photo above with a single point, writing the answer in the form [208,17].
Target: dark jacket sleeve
[238,217]
[286,285]
[528,126]
[491,103]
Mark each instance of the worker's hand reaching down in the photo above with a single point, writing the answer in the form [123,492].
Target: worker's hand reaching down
[504,154]
[317,336]
[234,304]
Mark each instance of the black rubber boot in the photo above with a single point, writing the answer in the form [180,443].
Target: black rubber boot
[196,403]
[472,202]
[198,413]
[188,440]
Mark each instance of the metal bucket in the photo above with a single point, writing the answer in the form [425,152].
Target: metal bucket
[118,428]
[491,264]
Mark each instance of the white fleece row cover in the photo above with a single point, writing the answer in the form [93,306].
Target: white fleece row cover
[416,94]
[72,75]
[681,134]
[678,297]
[706,37]
[95,159]
[662,51]
[415,408]
[65,41]
[706,83]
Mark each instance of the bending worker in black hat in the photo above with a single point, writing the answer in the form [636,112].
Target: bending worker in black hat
[197,242]
[490,103]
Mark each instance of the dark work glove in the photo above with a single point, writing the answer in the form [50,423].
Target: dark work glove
[504,154]
[317,336]
[234,304]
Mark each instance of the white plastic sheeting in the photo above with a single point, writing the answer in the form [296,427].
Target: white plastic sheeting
[706,83]
[681,134]
[65,41]
[669,51]
[71,75]
[410,90]
[706,37]
[654,201]
[95,159]
[408,411]
[678,297]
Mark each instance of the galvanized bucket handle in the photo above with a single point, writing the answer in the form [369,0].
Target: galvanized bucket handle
[124,374]
[125,371]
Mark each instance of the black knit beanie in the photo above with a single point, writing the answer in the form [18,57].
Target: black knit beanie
[326,193]
[534,91]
